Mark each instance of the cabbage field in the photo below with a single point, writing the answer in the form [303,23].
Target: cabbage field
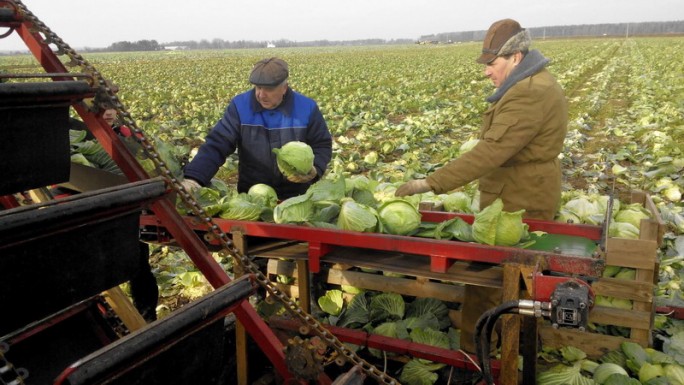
[399,112]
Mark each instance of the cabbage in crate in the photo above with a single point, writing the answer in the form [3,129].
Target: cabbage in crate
[294,158]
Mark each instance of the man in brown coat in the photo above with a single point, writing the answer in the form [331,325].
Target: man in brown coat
[516,158]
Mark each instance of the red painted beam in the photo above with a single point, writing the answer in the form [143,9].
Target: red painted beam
[552,227]
[442,251]
[455,358]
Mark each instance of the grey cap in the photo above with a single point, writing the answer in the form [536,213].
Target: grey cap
[269,72]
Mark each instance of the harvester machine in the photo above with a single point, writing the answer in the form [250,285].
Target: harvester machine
[65,322]
[64,319]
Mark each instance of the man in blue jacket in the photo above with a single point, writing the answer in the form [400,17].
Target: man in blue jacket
[266,117]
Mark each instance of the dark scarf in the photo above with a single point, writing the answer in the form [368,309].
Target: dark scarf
[532,63]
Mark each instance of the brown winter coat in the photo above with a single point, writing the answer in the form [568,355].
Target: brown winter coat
[516,158]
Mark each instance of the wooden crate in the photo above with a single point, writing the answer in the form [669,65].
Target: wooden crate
[342,274]
[640,254]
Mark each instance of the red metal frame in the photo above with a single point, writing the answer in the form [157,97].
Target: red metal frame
[442,253]
[578,230]
[163,208]
[455,358]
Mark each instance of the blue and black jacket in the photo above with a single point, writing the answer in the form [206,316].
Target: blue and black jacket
[254,132]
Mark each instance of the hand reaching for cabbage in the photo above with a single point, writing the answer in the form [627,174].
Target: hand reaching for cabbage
[412,187]
[190,185]
[298,178]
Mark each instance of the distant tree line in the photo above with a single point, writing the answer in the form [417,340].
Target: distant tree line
[565,31]
[140,45]
[153,45]
[618,29]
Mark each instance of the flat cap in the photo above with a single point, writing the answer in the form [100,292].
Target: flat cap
[269,72]
[503,37]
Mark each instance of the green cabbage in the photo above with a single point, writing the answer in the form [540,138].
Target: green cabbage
[626,273]
[493,226]
[241,208]
[621,379]
[604,370]
[425,321]
[675,374]
[298,209]
[623,230]
[399,217]
[454,228]
[387,307]
[610,271]
[649,371]
[357,217]
[421,306]
[562,374]
[327,190]
[612,302]
[635,355]
[458,202]
[325,212]
[332,302]
[294,158]
[416,372]
[356,314]
[632,214]
[210,200]
[265,193]
[430,337]
[388,329]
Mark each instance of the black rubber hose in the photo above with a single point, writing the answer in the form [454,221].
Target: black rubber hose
[483,342]
[481,322]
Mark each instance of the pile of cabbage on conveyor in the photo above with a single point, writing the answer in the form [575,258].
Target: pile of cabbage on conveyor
[359,204]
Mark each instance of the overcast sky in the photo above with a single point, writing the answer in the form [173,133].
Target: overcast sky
[99,23]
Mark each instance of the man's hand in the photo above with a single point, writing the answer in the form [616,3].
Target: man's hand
[190,185]
[413,187]
[303,178]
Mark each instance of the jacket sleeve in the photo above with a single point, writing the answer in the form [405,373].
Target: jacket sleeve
[516,121]
[220,143]
[320,140]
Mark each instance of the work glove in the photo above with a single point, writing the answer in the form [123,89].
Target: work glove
[303,178]
[190,185]
[412,187]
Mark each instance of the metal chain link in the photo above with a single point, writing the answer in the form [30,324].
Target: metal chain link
[246,263]
[9,374]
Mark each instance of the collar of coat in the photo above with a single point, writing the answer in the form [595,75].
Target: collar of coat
[285,106]
[532,63]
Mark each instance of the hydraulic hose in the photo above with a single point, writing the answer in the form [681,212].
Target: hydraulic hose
[486,322]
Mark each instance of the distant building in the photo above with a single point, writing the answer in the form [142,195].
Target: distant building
[175,47]
[270,45]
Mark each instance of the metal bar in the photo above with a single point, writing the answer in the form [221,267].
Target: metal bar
[43,324]
[65,91]
[395,345]
[44,75]
[193,316]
